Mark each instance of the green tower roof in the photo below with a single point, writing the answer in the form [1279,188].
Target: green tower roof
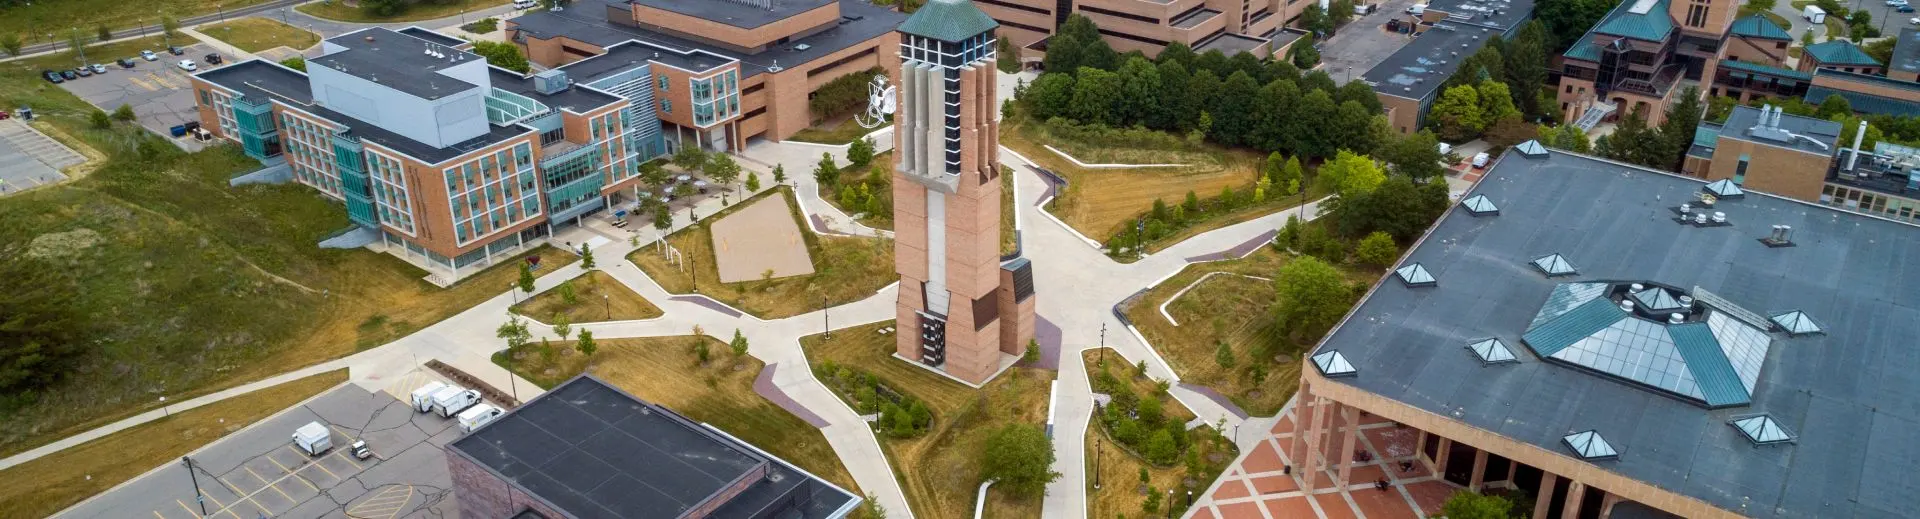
[948,20]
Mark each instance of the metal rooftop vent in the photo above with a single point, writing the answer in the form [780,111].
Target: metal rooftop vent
[1333,364]
[1589,445]
[1725,189]
[1532,149]
[1796,323]
[1480,205]
[1416,276]
[1762,430]
[1554,265]
[1492,351]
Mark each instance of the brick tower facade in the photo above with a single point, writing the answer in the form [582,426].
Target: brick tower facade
[960,309]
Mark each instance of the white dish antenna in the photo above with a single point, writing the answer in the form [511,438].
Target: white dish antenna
[881,98]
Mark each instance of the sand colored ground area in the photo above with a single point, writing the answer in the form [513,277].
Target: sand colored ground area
[759,237]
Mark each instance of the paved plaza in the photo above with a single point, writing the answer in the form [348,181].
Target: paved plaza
[1263,479]
[30,159]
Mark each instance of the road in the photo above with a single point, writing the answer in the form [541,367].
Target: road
[136,32]
[282,10]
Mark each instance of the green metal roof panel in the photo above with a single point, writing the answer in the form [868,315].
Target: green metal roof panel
[1865,103]
[1706,135]
[1763,69]
[1757,26]
[1655,25]
[1554,335]
[1841,52]
[948,20]
[1718,382]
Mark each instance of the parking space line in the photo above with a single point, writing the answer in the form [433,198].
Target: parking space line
[190,512]
[290,473]
[276,488]
[223,507]
[156,513]
[349,460]
[142,83]
[316,463]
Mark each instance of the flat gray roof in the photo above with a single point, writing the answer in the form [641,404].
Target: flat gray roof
[1906,52]
[859,21]
[574,98]
[1229,43]
[398,61]
[745,14]
[1743,119]
[1417,69]
[1848,394]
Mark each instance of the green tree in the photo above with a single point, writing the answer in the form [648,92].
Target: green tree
[42,327]
[1020,458]
[586,257]
[1458,114]
[1094,94]
[1223,355]
[860,153]
[169,26]
[1152,504]
[1496,103]
[526,278]
[873,507]
[779,174]
[1676,132]
[1140,369]
[690,158]
[1568,20]
[11,43]
[1160,448]
[1050,95]
[1303,54]
[562,327]
[585,343]
[753,182]
[1351,174]
[503,55]
[653,174]
[296,63]
[1139,91]
[1032,355]
[102,32]
[1006,58]
[1566,137]
[1415,156]
[1377,249]
[124,113]
[1834,107]
[826,173]
[1314,18]
[1757,6]
[1806,38]
[722,168]
[1467,504]
[514,331]
[1718,108]
[1145,478]
[1311,296]
[567,293]
[1398,206]
[662,217]
[100,120]
[1526,67]
[739,343]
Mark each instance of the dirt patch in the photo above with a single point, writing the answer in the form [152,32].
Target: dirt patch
[62,245]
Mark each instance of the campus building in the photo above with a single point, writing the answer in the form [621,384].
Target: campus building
[1622,342]
[1905,62]
[588,450]
[1445,33]
[450,163]
[1867,94]
[961,310]
[717,73]
[1808,159]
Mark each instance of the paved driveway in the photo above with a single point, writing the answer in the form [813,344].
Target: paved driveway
[1363,43]
[257,472]
[159,92]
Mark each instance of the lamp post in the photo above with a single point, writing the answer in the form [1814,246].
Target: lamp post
[1097,447]
[197,496]
[1169,503]
[163,408]
[1103,345]
[607,302]
[825,319]
[219,10]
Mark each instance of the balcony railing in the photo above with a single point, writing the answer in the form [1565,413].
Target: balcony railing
[1657,86]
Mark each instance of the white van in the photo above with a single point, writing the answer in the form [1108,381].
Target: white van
[524,4]
[312,439]
[452,400]
[478,416]
[1814,14]
[423,397]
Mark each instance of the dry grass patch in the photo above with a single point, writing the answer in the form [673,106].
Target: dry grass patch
[258,34]
[53,482]
[940,470]
[719,392]
[846,269]
[415,11]
[596,296]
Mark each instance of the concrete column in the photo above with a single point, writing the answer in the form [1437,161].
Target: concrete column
[1440,458]
[1513,468]
[1547,481]
[1309,467]
[1606,505]
[1479,466]
[1351,422]
[1300,423]
[1575,491]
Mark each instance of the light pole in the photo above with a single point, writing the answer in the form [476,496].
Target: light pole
[219,11]
[1097,447]
[1169,503]
[197,496]
[163,408]
[607,300]
[1103,345]
[826,320]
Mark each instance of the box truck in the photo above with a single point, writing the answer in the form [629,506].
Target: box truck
[1814,14]
[450,401]
[423,397]
[312,439]
[477,416]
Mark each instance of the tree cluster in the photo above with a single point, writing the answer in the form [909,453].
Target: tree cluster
[1567,20]
[1501,84]
[901,415]
[1020,458]
[841,94]
[1140,422]
[503,55]
[1662,147]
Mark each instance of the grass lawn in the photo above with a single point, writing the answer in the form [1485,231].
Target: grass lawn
[189,285]
[940,470]
[1229,308]
[46,485]
[415,11]
[115,14]
[1121,492]
[258,34]
[665,371]
[1101,203]
[617,302]
[846,269]
[842,132]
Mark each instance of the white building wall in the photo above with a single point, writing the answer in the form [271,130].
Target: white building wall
[441,122]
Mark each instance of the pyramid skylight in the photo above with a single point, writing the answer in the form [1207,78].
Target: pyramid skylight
[1554,265]
[1725,188]
[1492,351]
[1657,299]
[1796,323]
[1333,364]
[1762,430]
[1532,149]
[1480,205]
[1589,445]
[1416,276]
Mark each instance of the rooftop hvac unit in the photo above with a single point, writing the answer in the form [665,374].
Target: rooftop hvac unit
[550,81]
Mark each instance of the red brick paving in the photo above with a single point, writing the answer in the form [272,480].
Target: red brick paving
[1274,484]
[1381,505]
[1335,506]
[1230,489]
[1284,425]
[1371,419]
[1392,442]
[1263,459]
[1295,507]
[1431,494]
[1200,512]
[1248,510]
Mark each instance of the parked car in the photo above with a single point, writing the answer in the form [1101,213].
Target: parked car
[450,401]
[213,59]
[69,75]
[1915,21]
[125,63]
[176,51]
[187,65]
[52,77]
[1896,2]
[1903,8]
[524,4]
[149,55]
[99,69]
[478,416]
[83,71]
[360,450]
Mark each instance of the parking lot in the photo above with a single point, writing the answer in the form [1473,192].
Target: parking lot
[258,472]
[1364,42]
[30,159]
[159,91]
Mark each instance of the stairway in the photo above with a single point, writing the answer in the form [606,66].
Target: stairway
[1594,114]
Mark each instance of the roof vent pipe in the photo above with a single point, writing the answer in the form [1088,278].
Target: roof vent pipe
[1719,217]
[1700,218]
[1637,287]
[1676,318]
[1626,305]
[1686,301]
[1686,208]
[1858,138]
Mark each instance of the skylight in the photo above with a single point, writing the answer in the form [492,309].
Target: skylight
[1707,355]
[1492,351]
[1554,265]
[1657,299]
[1416,276]
[1532,149]
[1480,205]
[1589,445]
[1725,189]
[1762,430]
[1797,323]
[1333,364]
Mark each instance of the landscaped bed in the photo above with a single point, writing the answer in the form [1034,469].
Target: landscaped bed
[668,371]
[339,10]
[258,34]
[940,469]
[1173,457]
[594,296]
[846,269]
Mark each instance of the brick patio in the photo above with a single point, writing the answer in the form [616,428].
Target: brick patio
[1259,486]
